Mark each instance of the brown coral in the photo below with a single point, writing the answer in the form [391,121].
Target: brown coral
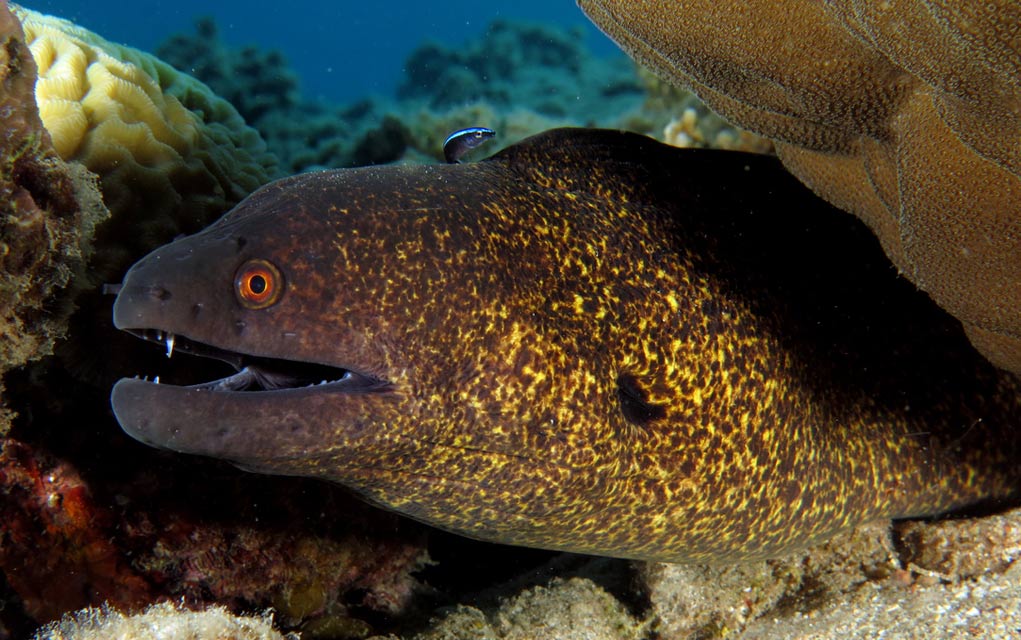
[905,113]
[47,212]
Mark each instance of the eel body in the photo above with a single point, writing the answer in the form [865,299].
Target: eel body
[589,342]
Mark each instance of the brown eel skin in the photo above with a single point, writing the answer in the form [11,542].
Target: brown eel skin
[589,342]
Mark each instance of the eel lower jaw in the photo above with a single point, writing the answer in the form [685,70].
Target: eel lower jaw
[257,374]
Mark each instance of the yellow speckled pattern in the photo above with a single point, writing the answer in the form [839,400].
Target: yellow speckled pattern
[906,113]
[592,342]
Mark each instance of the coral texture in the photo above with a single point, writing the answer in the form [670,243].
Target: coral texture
[566,609]
[161,142]
[48,210]
[906,114]
[165,621]
[53,527]
[72,538]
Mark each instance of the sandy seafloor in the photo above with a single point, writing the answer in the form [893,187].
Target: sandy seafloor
[960,581]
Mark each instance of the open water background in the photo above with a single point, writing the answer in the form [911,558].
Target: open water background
[341,49]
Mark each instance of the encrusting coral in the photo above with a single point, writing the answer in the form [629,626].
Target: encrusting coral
[129,532]
[53,526]
[906,114]
[48,210]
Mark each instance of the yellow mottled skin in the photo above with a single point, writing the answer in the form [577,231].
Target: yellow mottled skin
[589,342]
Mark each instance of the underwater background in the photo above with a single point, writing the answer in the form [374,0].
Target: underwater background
[339,84]
[340,51]
[89,516]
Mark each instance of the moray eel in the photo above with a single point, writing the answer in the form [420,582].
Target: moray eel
[588,342]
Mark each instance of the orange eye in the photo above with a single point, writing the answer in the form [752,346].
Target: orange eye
[258,284]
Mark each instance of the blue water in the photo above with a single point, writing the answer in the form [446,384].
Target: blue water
[341,49]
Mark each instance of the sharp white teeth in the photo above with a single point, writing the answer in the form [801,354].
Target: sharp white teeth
[170,344]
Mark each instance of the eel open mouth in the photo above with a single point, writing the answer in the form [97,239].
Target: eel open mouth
[256,373]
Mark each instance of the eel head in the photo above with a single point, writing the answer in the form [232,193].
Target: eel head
[363,352]
[246,291]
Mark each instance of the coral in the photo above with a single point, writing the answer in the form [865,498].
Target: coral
[304,577]
[165,621]
[48,210]
[54,545]
[569,609]
[525,65]
[700,128]
[697,601]
[255,82]
[566,609]
[955,550]
[161,142]
[905,114]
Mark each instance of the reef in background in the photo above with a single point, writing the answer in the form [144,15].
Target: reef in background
[517,78]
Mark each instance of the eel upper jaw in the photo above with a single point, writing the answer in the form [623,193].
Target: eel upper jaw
[258,374]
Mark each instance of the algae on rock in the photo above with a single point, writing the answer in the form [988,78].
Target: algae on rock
[49,211]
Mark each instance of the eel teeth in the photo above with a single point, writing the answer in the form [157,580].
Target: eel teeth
[170,344]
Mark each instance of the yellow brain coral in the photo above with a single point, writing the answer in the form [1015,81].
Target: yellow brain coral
[166,149]
[906,113]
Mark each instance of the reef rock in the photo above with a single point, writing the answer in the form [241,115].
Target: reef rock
[48,211]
